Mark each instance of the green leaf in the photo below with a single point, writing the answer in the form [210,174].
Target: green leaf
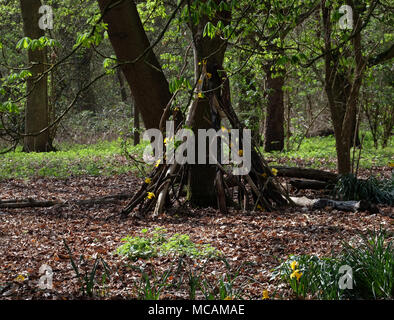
[24,43]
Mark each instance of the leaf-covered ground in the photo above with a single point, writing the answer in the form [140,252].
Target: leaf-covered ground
[32,237]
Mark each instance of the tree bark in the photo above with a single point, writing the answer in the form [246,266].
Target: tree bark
[134,110]
[342,92]
[87,100]
[201,180]
[36,109]
[274,121]
[147,82]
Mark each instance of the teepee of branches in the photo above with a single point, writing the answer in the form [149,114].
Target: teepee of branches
[259,189]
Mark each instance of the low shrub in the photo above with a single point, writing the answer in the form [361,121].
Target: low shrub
[371,264]
[158,243]
[376,191]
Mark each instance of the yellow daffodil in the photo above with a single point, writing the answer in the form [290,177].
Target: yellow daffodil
[148,180]
[240,153]
[176,109]
[209,75]
[294,265]
[150,195]
[274,171]
[199,81]
[265,295]
[224,129]
[157,163]
[200,95]
[296,274]
[20,278]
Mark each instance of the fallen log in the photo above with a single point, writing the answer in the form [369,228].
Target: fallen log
[352,206]
[308,184]
[32,203]
[305,173]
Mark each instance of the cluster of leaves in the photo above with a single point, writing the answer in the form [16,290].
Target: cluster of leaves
[157,243]
[34,44]
[371,262]
[377,191]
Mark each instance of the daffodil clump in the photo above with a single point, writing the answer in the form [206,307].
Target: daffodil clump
[296,273]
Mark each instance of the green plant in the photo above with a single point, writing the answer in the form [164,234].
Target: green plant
[225,287]
[150,285]
[373,265]
[88,279]
[310,276]
[371,262]
[349,187]
[158,243]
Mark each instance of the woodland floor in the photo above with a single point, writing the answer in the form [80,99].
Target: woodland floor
[33,236]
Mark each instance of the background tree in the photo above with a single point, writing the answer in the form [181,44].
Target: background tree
[145,77]
[36,110]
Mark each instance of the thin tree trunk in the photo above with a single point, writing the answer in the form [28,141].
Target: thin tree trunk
[137,127]
[134,110]
[87,100]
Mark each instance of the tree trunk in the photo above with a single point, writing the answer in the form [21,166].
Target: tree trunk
[147,82]
[36,110]
[134,110]
[201,181]
[342,93]
[274,121]
[137,127]
[87,99]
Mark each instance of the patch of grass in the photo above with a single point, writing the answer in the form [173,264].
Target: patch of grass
[320,152]
[103,158]
[107,158]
